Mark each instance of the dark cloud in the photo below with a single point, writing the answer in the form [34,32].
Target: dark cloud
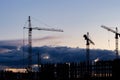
[12,54]
[52,55]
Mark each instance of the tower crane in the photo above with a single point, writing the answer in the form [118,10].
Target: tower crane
[30,28]
[88,42]
[116,38]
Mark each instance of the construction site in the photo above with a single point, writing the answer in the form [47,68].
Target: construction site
[85,70]
[101,70]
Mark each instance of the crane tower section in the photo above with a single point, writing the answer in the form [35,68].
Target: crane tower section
[88,42]
[30,28]
[117,35]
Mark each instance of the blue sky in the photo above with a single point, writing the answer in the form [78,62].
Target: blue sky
[75,17]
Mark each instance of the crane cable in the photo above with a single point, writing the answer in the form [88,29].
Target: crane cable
[41,22]
[23,62]
[108,39]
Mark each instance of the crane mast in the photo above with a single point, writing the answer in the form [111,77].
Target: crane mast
[116,38]
[29,45]
[88,41]
[30,28]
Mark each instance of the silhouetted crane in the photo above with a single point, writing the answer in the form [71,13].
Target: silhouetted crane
[116,38]
[30,28]
[88,41]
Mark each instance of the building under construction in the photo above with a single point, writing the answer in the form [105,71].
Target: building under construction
[101,70]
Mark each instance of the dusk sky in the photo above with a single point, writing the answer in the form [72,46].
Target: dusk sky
[75,17]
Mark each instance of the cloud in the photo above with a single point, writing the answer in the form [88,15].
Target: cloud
[2,50]
[14,44]
[52,55]
[12,54]
[10,43]
[47,38]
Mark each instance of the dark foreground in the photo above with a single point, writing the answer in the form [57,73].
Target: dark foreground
[101,70]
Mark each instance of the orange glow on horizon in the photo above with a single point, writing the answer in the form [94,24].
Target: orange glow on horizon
[15,70]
